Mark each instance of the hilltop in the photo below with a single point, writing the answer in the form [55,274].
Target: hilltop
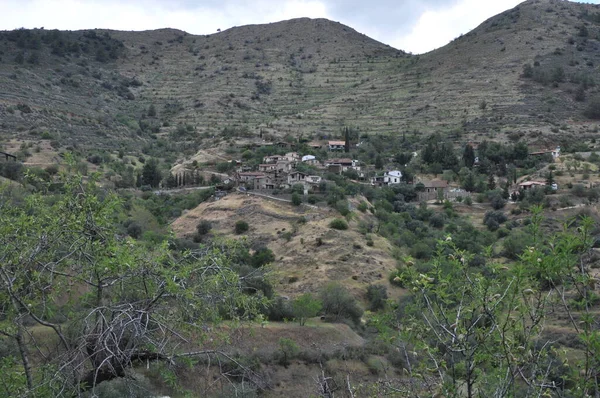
[300,77]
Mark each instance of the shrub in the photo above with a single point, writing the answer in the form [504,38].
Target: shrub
[281,309]
[296,199]
[261,257]
[493,219]
[241,226]
[203,227]
[306,306]
[339,304]
[339,224]
[468,201]
[288,349]
[516,243]
[377,295]
[362,206]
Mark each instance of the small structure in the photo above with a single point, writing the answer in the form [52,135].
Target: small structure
[314,145]
[345,163]
[531,184]
[267,167]
[292,157]
[273,159]
[337,145]
[554,152]
[313,179]
[388,178]
[249,176]
[296,177]
[435,186]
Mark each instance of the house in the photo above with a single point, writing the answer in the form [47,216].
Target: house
[345,163]
[554,152]
[273,159]
[531,184]
[265,182]
[267,167]
[314,179]
[435,186]
[310,159]
[434,190]
[249,176]
[337,145]
[284,165]
[292,157]
[296,177]
[314,145]
[388,178]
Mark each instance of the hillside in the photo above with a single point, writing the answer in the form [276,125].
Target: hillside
[299,77]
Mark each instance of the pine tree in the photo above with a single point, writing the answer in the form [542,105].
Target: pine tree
[491,182]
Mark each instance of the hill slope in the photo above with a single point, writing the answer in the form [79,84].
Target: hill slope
[297,77]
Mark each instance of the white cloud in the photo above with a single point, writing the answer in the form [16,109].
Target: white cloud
[435,28]
[411,25]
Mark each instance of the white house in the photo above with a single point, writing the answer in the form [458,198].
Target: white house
[307,158]
[388,178]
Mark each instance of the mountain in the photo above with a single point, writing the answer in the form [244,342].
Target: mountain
[300,77]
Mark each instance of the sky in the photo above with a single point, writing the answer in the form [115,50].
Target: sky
[415,26]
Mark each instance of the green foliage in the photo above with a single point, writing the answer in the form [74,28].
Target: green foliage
[296,199]
[306,306]
[151,174]
[339,304]
[203,227]
[50,244]
[241,226]
[338,223]
[262,256]
[288,349]
[377,296]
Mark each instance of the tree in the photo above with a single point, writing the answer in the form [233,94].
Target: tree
[306,306]
[378,162]
[468,156]
[483,336]
[296,199]
[339,304]
[151,110]
[132,302]
[346,139]
[151,175]
[491,182]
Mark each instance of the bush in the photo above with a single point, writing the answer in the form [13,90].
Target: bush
[306,306]
[296,199]
[261,257]
[280,310]
[377,296]
[203,227]
[288,349]
[339,224]
[241,226]
[493,219]
[516,243]
[339,304]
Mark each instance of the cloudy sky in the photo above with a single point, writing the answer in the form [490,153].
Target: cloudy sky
[417,26]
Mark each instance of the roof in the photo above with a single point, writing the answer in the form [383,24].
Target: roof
[343,160]
[435,184]
[308,157]
[531,183]
[337,142]
[251,174]
[314,144]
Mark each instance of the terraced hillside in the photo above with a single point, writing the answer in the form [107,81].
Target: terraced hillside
[301,77]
